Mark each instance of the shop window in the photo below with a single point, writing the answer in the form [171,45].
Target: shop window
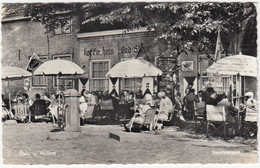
[66,29]
[40,81]
[64,83]
[98,80]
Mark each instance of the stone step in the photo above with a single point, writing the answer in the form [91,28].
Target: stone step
[134,137]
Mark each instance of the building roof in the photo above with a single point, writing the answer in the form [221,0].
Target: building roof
[13,10]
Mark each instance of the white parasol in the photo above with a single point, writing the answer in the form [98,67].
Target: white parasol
[232,65]
[58,68]
[133,68]
[14,73]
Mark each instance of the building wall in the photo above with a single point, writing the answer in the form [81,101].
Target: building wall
[22,38]
[188,71]
[117,47]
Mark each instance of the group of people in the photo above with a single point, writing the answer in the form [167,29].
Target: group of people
[210,97]
[161,103]
[47,104]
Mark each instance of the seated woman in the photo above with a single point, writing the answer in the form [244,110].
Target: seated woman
[56,104]
[139,118]
[165,107]
[250,101]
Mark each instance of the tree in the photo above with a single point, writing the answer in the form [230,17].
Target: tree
[183,24]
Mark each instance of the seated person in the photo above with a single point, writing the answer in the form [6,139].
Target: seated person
[200,95]
[230,110]
[115,99]
[38,107]
[55,105]
[156,99]
[165,107]
[126,98]
[250,101]
[139,118]
[26,99]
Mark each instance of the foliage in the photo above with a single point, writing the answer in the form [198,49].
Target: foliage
[185,25]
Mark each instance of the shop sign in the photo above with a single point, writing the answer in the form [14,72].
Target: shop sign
[98,52]
[135,49]
[110,51]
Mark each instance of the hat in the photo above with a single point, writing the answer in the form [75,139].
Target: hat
[161,94]
[82,99]
[249,94]
[148,97]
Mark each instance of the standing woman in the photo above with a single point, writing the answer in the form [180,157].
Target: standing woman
[82,105]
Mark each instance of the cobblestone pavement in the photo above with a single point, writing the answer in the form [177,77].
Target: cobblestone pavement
[28,144]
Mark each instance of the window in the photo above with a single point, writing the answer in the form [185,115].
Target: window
[40,81]
[66,29]
[131,83]
[98,79]
[65,83]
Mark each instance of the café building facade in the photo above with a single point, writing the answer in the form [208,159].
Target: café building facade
[96,48]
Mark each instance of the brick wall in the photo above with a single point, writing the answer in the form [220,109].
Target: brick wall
[20,39]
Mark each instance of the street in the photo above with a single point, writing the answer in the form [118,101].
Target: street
[28,144]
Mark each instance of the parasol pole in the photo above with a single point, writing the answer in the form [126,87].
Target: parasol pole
[134,97]
[9,97]
[58,89]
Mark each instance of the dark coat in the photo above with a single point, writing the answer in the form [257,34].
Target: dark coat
[39,107]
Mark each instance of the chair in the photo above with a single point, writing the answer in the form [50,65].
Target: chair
[20,111]
[250,122]
[148,121]
[106,108]
[199,115]
[149,118]
[169,118]
[216,115]
[6,114]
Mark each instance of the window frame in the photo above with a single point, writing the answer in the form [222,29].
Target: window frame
[91,79]
[61,29]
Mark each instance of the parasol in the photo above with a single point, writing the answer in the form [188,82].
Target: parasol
[58,68]
[134,68]
[232,65]
[14,73]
